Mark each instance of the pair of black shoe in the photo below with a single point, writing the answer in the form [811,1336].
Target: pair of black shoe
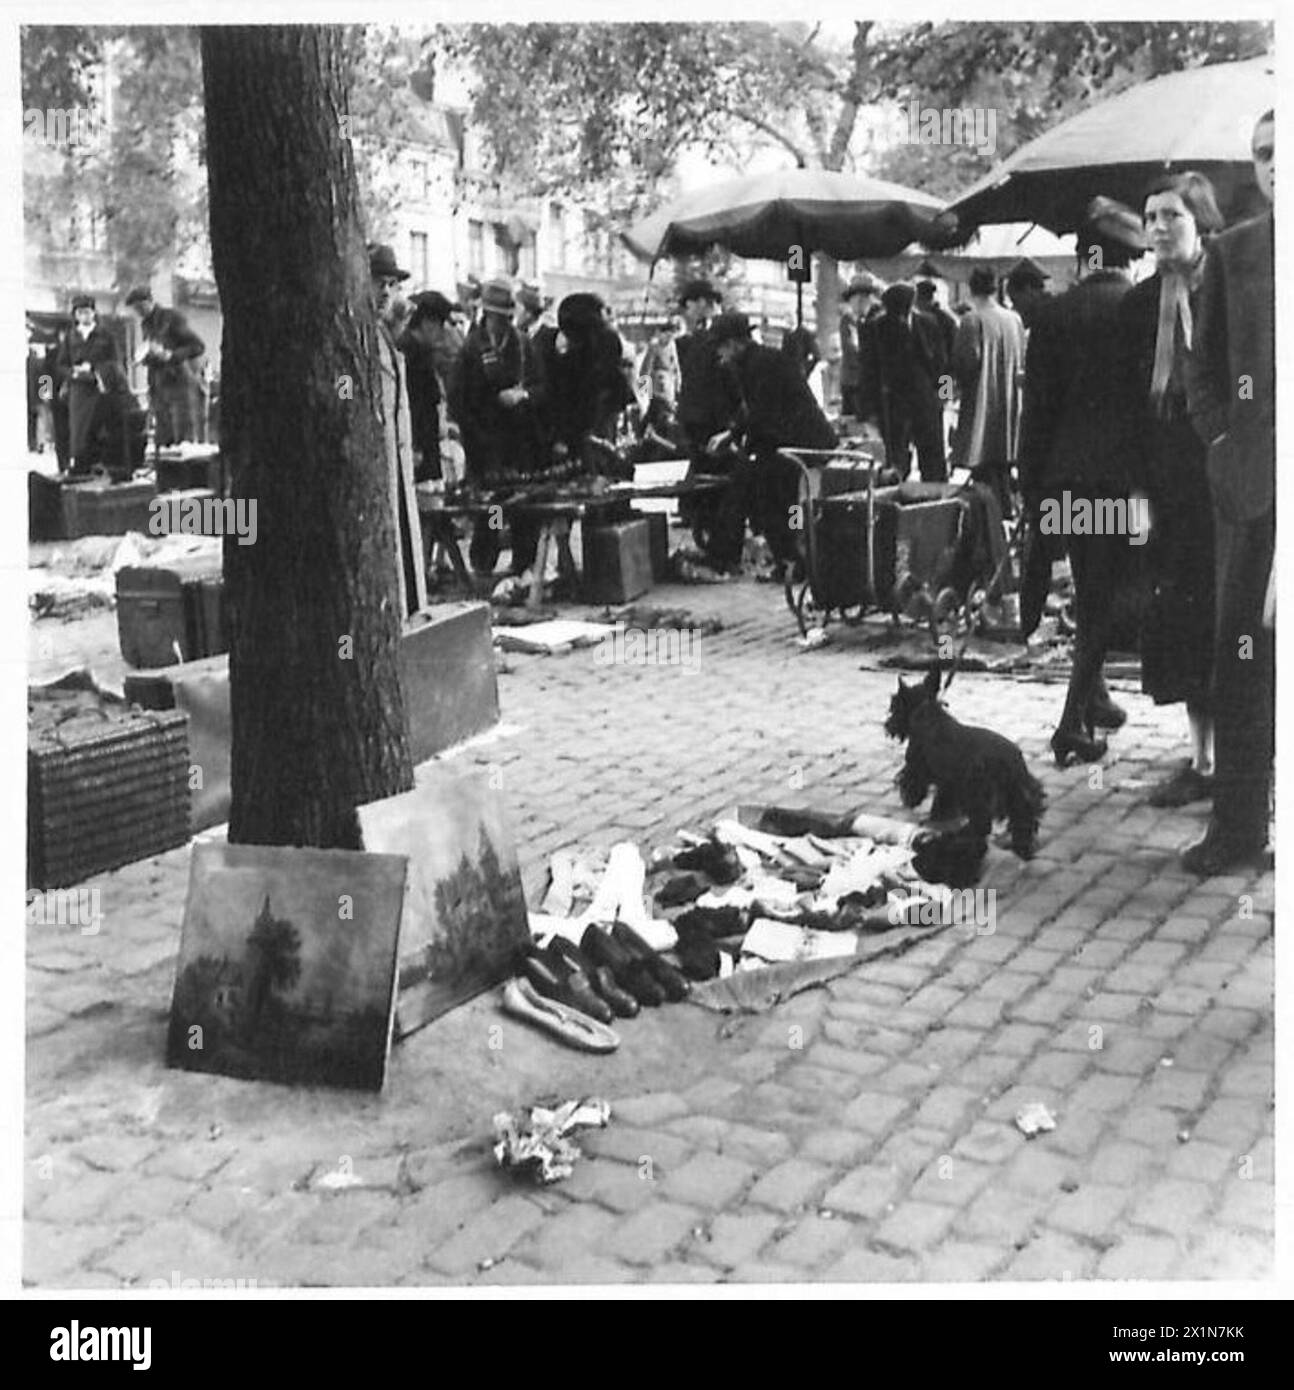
[560,971]
[636,968]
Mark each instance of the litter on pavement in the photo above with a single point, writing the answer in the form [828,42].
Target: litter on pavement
[536,1142]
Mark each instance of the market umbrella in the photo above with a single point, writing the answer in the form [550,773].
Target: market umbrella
[762,216]
[1199,119]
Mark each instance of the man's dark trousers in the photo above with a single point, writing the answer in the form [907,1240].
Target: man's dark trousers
[1244,680]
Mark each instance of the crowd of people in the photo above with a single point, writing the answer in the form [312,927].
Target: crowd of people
[1163,392]
[1158,393]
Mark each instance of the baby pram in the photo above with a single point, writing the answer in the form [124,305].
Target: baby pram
[925,552]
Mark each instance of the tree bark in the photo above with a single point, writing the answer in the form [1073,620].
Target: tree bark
[318,716]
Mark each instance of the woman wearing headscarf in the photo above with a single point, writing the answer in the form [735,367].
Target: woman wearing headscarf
[1180,213]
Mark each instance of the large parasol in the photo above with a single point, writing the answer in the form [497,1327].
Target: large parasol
[767,216]
[1199,119]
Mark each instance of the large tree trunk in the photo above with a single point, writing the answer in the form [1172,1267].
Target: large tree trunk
[318,719]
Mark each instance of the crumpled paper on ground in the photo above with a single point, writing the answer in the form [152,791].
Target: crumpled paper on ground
[537,1142]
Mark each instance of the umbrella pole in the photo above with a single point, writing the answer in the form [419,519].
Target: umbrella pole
[799,304]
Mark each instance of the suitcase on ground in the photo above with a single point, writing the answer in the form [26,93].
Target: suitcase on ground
[107,509]
[166,616]
[617,562]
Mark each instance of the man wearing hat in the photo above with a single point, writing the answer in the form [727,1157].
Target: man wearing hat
[776,410]
[169,346]
[86,350]
[903,363]
[385,277]
[860,302]
[496,401]
[532,307]
[1026,284]
[1073,441]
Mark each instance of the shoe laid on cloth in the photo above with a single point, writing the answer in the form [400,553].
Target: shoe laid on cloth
[1184,786]
[1075,746]
[1215,854]
[521,1000]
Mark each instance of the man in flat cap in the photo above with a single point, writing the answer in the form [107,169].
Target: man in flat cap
[1231,388]
[776,410]
[1074,442]
[170,351]
[706,401]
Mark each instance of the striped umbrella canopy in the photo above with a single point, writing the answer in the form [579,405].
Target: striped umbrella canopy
[764,216]
[1198,119]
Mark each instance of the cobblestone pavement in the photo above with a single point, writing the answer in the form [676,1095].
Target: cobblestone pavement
[861,1132]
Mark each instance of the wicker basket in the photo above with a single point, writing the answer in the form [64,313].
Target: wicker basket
[106,786]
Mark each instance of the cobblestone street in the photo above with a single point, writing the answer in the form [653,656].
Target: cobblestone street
[861,1132]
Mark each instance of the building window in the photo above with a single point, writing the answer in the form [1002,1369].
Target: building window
[476,247]
[418,262]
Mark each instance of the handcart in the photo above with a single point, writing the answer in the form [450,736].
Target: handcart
[909,549]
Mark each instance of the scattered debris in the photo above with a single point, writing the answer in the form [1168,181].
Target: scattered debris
[537,1143]
[1034,1119]
[813,639]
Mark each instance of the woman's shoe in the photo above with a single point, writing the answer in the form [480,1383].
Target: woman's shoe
[522,1000]
[1075,746]
[1183,787]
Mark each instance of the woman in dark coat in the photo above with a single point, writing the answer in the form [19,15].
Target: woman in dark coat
[86,349]
[1180,213]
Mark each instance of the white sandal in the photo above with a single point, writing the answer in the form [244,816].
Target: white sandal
[522,1000]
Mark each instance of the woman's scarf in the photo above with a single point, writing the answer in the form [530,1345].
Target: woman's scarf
[1176,285]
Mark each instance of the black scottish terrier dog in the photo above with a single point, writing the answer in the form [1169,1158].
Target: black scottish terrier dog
[977,774]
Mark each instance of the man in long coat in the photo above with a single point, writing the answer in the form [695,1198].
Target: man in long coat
[1231,388]
[171,349]
[988,365]
[397,426]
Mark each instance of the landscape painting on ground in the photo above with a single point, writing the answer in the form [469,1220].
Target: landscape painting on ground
[465,917]
[287,965]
